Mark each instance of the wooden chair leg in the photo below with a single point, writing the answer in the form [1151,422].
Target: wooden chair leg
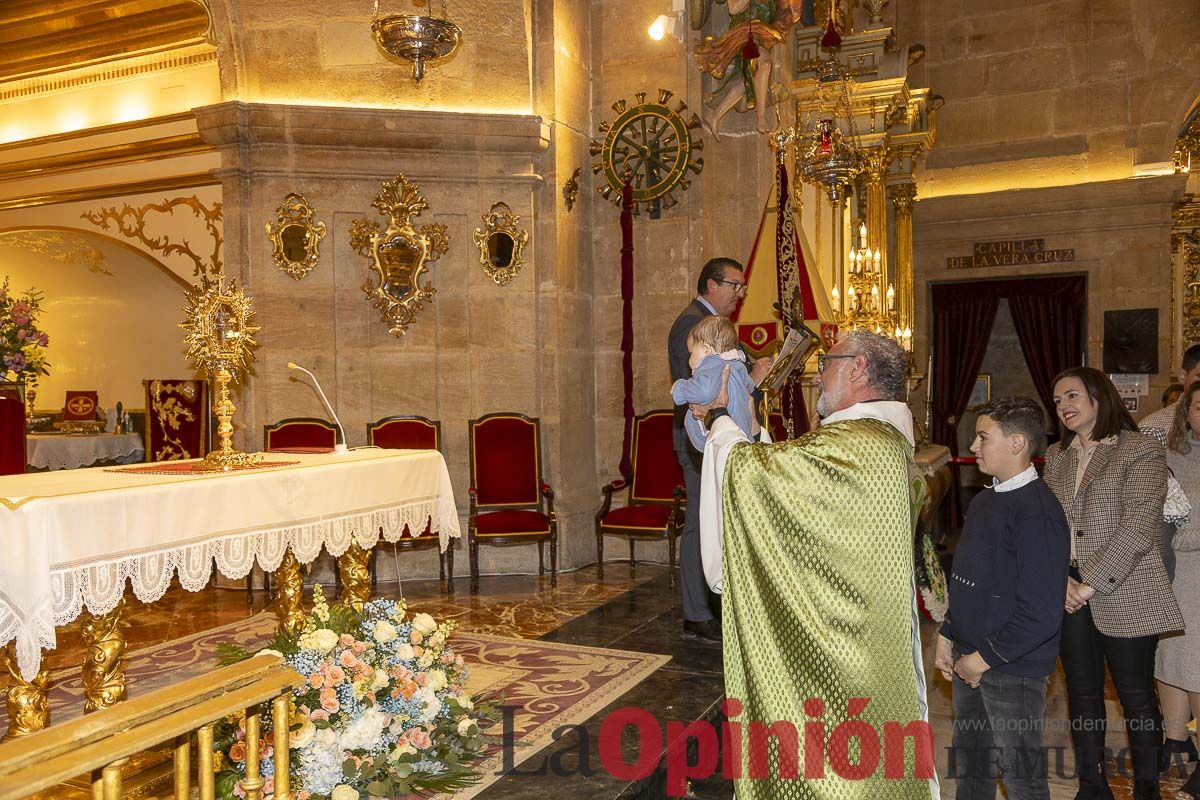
[600,555]
[671,560]
[541,559]
[632,560]
[442,562]
[554,559]
[450,567]
[473,552]
[250,587]
[371,566]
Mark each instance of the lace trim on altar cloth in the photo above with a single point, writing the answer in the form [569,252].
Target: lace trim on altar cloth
[100,587]
[32,636]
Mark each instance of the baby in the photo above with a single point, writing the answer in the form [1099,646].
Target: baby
[711,345]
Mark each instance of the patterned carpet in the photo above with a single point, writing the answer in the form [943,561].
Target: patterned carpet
[549,684]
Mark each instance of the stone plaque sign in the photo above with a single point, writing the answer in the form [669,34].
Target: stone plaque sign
[1017,252]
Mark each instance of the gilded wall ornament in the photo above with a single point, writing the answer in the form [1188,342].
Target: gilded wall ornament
[130,222]
[296,239]
[501,242]
[60,246]
[570,189]
[399,254]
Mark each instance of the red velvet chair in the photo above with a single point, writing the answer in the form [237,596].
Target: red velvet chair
[410,432]
[299,432]
[12,432]
[653,508]
[177,424]
[510,502]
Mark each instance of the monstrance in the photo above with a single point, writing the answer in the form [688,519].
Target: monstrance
[219,333]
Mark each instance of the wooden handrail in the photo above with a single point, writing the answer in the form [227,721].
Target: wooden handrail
[100,742]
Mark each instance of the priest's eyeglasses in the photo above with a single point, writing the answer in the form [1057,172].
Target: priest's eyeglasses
[823,360]
[738,286]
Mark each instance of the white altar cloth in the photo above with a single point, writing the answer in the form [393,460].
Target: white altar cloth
[71,539]
[63,451]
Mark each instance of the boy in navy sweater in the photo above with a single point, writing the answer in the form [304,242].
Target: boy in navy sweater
[999,641]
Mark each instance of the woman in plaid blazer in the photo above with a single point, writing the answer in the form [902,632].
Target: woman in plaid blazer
[1111,481]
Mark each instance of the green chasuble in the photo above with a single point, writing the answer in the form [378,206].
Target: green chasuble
[819,608]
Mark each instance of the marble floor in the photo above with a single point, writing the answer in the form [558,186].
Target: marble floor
[627,610]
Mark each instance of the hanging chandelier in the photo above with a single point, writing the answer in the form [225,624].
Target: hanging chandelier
[416,38]
[828,154]
[870,303]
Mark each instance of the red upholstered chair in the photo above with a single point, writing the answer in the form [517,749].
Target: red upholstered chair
[777,426]
[654,505]
[299,432]
[510,502]
[403,432]
[177,416]
[80,406]
[12,432]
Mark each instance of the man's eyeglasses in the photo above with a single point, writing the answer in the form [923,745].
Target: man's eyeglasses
[738,286]
[823,360]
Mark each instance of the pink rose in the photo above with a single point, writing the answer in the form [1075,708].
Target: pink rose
[319,714]
[346,640]
[347,659]
[329,700]
[419,739]
[316,680]
[359,648]
[422,679]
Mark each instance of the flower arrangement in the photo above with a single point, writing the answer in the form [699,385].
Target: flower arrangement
[383,713]
[21,342]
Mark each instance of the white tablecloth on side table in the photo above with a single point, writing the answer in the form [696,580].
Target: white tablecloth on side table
[72,539]
[61,451]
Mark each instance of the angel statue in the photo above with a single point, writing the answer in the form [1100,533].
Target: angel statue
[743,56]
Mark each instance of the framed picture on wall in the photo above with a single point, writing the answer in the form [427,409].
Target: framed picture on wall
[982,393]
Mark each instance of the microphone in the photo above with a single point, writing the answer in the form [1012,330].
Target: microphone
[339,447]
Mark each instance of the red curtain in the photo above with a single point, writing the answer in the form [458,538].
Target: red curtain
[1048,315]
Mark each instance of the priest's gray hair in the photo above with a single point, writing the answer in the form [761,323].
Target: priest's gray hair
[887,362]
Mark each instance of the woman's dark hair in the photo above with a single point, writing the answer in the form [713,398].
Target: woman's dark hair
[1178,439]
[1111,415]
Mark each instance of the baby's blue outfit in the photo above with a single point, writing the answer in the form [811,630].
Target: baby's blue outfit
[705,385]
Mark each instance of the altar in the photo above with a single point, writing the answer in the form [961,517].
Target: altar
[73,539]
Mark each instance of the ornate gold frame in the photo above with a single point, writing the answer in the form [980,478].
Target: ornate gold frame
[399,254]
[500,221]
[296,213]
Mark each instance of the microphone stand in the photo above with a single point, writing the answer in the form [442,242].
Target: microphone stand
[338,447]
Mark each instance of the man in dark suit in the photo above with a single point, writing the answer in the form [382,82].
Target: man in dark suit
[719,288]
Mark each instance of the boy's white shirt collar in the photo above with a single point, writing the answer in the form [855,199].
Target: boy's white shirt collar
[892,412]
[1026,476]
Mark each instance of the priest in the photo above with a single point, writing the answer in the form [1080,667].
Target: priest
[811,543]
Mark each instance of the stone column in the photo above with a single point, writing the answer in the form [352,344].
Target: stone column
[903,195]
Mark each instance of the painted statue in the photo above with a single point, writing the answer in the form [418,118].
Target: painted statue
[745,56]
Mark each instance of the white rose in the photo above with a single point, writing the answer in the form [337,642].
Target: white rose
[402,750]
[304,736]
[384,631]
[325,641]
[405,651]
[426,660]
[465,701]
[344,792]
[465,725]
[424,624]
[270,652]
[379,680]
[437,680]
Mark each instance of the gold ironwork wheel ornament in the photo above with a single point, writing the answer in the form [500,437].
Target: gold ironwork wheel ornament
[650,143]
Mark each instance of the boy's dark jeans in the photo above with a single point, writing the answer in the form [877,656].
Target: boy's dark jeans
[998,734]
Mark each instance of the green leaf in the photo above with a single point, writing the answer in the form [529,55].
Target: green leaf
[379,789]
[349,768]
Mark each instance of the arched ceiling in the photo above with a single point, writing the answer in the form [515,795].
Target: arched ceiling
[39,36]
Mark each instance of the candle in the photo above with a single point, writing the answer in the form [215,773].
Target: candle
[862,235]
[891,298]
[878,259]
[837,299]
